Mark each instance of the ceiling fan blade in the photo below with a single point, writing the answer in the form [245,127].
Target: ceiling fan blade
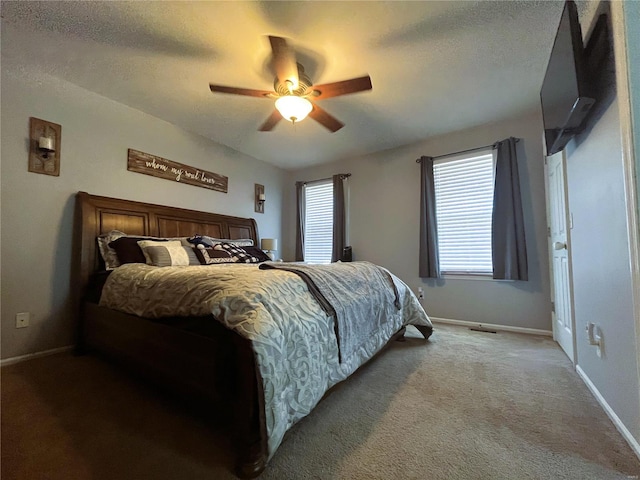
[323,118]
[242,91]
[271,122]
[284,61]
[328,90]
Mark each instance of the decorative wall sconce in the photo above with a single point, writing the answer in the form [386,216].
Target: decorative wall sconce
[44,147]
[260,198]
[269,245]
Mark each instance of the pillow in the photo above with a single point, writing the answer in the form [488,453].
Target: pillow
[198,240]
[240,242]
[256,252]
[108,254]
[168,254]
[129,251]
[208,256]
[239,254]
[211,241]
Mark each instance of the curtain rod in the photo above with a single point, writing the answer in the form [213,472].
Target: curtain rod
[324,179]
[493,145]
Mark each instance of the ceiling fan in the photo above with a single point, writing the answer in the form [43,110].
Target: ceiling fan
[295,93]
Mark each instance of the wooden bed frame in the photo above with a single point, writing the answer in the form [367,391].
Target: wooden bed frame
[216,369]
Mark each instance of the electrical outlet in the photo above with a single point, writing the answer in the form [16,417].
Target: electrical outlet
[420,293]
[22,319]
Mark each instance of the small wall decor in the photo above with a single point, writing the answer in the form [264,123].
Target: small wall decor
[44,147]
[155,166]
[259,198]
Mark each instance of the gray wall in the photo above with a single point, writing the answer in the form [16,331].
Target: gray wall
[601,257]
[37,210]
[600,251]
[385,193]
[632,14]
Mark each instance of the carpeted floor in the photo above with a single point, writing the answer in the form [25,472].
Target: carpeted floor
[466,405]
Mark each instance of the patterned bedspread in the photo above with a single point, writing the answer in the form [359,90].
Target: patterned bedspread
[357,295]
[293,338]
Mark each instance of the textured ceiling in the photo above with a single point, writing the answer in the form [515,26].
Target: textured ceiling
[435,66]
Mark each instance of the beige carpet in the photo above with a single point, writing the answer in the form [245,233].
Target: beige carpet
[467,405]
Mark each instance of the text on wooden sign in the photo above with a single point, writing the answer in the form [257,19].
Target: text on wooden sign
[155,166]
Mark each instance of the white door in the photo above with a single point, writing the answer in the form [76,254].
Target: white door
[559,237]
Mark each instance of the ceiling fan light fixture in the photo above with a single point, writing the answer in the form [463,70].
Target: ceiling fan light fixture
[294,91]
[293,108]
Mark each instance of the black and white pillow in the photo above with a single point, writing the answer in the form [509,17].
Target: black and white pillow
[198,240]
[208,241]
[238,242]
[256,252]
[238,253]
[209,256]
[211,242]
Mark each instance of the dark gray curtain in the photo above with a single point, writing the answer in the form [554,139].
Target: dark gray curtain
[339,216]
[508,245]
[429,262]
[300,214]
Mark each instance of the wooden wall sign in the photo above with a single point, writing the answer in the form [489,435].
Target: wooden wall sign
[44,147]
[148,164]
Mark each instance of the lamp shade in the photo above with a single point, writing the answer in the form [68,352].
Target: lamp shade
[269,244]
[293,108]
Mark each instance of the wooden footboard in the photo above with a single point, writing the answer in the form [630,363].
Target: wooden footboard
[214,373]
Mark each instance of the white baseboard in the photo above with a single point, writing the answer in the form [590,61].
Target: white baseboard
[10,361]
[633,443]
[491,326]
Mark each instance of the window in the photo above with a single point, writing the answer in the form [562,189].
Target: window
[464,205]
[318,222]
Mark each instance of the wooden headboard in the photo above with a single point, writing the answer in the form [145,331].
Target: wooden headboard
[95,215]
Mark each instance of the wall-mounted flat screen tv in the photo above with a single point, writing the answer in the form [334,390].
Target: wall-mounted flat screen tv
[565,90]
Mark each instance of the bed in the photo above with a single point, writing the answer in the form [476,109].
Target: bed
[205,358]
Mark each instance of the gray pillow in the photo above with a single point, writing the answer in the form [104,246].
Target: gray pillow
[168,254]
[109,255]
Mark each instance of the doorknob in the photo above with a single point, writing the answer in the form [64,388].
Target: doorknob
[559,246]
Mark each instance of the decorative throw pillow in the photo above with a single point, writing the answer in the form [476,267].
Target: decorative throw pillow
[211,241]
[256,252]
[167,254]
[108,254]
[208,256]
[239,242]
[198,240]
[238,253]
[129,251]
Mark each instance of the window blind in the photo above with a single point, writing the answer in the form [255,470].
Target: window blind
[464,204]
[318,224]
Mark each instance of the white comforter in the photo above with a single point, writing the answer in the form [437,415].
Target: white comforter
[293,339]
